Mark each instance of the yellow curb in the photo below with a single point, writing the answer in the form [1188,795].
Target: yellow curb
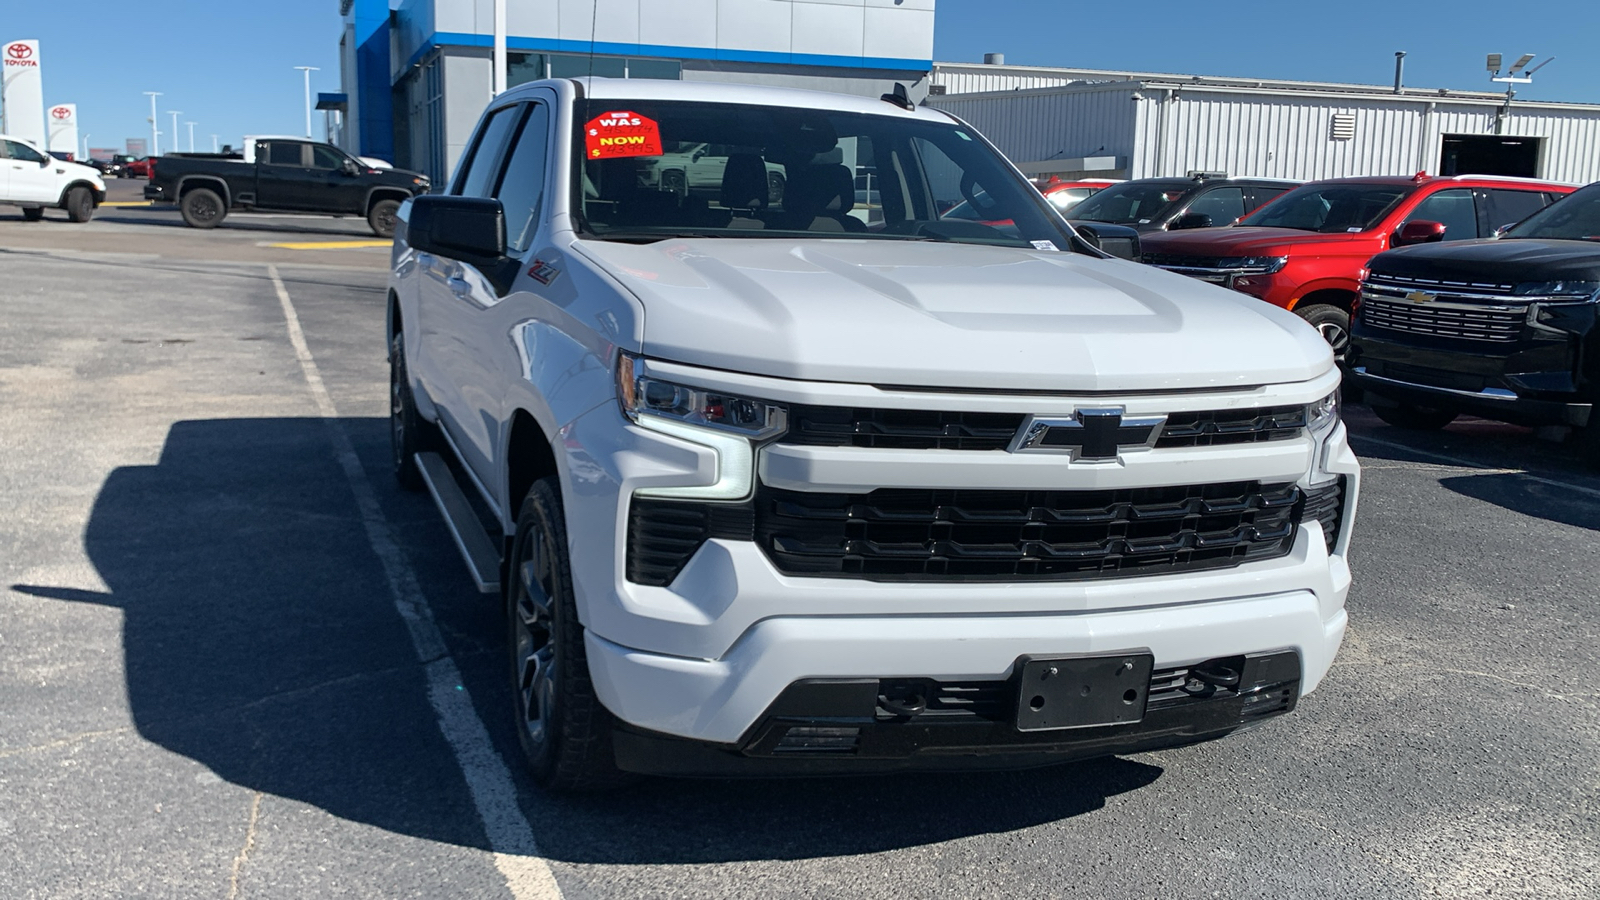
[128,203]
[332,245]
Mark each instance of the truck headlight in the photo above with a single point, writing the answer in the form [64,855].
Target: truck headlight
[643,398]
[727,424]
[1322,415]
[1558,288]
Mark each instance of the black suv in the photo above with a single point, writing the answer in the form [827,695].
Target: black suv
[1504,328]
[1201,200]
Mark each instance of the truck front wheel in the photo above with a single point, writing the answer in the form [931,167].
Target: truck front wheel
[382,217]
[564,730]
[1331,322]
[409,432]
[202,208]
[80,204]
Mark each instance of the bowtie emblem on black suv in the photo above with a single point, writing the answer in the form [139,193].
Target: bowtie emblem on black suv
[1099,434]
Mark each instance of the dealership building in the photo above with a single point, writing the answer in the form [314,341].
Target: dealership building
[415,79]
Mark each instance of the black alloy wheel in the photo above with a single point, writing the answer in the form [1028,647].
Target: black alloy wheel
[80,204]
[564,731]
[202,208]
[673,182]
[409,433]
[383,216]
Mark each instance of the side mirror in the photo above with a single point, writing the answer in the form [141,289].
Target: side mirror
[349,167]
[1116,240]
[471,229]
[1504,229]
[1420,232]
[45,163]
[1191,220]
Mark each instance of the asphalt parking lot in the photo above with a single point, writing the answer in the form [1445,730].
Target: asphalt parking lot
[213,683]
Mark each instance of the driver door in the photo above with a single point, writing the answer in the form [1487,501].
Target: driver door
[30,175]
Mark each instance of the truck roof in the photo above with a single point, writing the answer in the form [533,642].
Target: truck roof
[710,92]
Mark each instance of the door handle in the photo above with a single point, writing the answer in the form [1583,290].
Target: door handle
[459,286]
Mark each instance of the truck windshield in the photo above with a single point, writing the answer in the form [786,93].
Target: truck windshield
[1132,203]
[1575,217]
[1330,208]
[652,169]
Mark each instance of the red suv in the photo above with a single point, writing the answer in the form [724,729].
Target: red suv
[1307,250]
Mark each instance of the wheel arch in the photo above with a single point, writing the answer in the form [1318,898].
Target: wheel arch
[1339,294]
[211,182]
[61,202]
[529,456]
[384,192]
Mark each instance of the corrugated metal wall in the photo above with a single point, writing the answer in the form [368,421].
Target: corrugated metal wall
[1176,129]
[981,79]
[1029,126]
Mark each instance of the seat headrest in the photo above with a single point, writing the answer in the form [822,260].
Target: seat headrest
[744,182]
[820,190]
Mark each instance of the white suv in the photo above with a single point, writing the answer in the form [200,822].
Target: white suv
[35,180]
[768,488]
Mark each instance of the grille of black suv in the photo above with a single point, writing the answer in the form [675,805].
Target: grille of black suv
[1491,324]
[1436,286]
[959,535]
[913,429]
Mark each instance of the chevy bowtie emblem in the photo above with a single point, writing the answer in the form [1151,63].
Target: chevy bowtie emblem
[1098,434]
[1421,297]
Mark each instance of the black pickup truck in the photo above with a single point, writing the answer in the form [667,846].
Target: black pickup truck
[285,175]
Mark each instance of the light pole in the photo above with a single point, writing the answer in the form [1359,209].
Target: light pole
[155,136]
[1511,77]
[191,136]
[174,114]
[308,70]
[215,147]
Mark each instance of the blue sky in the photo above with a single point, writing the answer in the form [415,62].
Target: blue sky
[228,64]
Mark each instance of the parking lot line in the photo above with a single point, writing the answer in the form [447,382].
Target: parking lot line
[494,794]
[330,245]
[128,203]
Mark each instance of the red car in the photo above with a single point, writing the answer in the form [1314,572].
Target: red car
[139,168]
[1307,250]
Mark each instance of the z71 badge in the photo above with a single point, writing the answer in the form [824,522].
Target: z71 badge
[543,272]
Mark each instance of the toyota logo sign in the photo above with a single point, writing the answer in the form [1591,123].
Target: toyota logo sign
[61,112]
[19,51]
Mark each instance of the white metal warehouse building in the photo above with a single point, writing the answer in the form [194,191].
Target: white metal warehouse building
[1084,122]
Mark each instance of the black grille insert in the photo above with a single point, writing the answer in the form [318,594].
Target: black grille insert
[956,535]
[663,534]
[1325,503]
[914,429]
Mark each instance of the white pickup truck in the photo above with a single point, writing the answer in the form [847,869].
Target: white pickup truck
[766,489]
[35,180]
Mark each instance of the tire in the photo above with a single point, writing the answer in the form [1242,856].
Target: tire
[382,217]
[32,213]
[1414,418]
[202,208]
[1332,322]
[673,182]
[409,433]
[564,731]
[80,204]
[775,185]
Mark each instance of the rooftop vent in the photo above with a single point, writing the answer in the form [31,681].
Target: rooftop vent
[994,59]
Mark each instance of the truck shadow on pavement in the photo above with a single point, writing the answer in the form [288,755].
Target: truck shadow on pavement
[348,227]
[260,640]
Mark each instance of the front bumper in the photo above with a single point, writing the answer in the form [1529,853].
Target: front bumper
[821,726]
[154,192]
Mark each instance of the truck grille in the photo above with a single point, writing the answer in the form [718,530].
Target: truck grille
[959,535]
[1435,286]
[914,429]
[1491,324]
[1325,503]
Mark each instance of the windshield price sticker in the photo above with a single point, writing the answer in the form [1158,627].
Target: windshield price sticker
[622,133]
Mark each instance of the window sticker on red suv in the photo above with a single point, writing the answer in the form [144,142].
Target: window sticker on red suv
[621,133]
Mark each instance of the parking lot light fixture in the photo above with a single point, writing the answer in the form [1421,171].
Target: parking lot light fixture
[308,70]
[174,114]
[191,136]
[155,135]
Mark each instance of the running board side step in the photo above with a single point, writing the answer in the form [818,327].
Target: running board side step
[474,543]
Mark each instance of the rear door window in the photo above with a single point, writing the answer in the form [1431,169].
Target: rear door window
[1454,209]
[285,153]
[1223,204]
[1507,207]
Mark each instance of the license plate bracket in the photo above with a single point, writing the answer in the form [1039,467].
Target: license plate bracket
[1056,692]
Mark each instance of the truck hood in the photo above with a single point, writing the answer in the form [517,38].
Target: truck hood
[1508,260]
[946,315]
[1254,241]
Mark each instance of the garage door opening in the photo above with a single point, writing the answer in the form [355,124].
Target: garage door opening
[1489,154]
